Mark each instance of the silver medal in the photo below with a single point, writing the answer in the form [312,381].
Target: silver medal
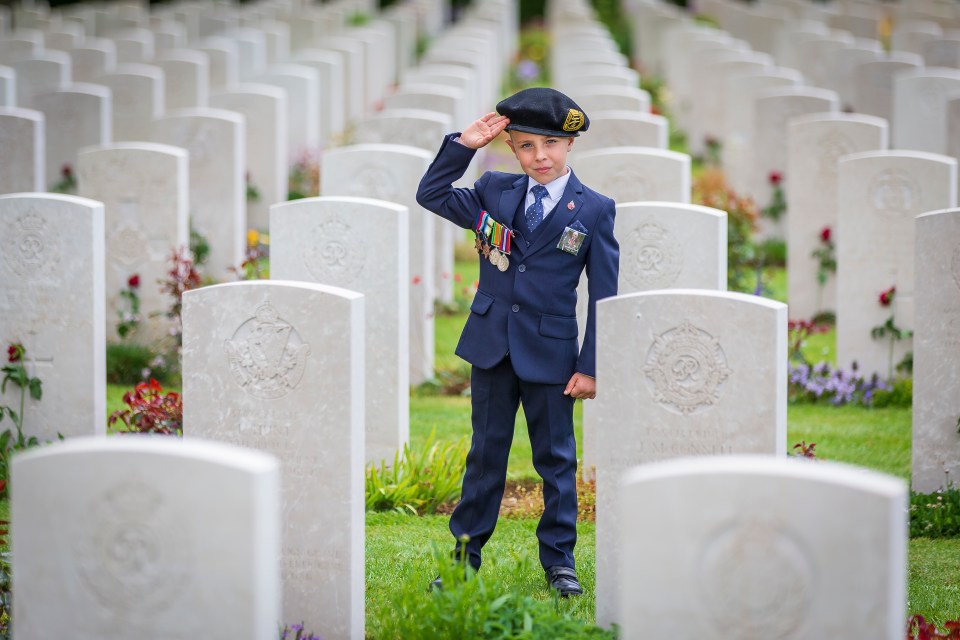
[504,262]
[494,257]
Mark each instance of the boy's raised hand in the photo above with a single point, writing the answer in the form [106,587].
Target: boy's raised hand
[481,132]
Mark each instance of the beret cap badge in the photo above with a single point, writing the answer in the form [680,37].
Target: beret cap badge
[574,120]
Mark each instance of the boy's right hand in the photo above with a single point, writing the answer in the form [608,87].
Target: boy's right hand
[481,132]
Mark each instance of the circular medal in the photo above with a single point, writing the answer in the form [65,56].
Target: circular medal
[504,262]
[494,257]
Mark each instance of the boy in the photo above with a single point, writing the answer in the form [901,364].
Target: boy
[536,232]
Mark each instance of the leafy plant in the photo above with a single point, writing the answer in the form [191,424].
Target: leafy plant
[15,372]
[6,594]
[304,179]
[199,247]
[150,410]
[935,515]
[253,194]
[919,629]
[778,201]
[129,311]
[471,605]
[822,382]
[889,329]
[68,181]
[826,256]
[798,331]
[256,263]
[129,363]
[298,633]
[897,394]
[417,482]
[804,450]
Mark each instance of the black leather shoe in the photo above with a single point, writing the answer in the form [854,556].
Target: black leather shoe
[436,583]
[564,580]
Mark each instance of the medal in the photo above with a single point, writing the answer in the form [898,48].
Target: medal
[494,257]
[504,262]
[493,240]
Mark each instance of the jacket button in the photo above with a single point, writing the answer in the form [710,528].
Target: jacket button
[522,268]
[515,308]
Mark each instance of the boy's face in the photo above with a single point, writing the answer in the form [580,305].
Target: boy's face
[543,158]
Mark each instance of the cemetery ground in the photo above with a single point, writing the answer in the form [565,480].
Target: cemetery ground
[402,549]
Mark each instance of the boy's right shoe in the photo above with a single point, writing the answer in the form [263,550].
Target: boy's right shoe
[435,584]
[564,580]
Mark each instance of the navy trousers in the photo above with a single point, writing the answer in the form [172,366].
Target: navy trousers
[496,395]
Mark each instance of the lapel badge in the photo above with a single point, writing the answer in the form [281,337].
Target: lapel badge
[570,205]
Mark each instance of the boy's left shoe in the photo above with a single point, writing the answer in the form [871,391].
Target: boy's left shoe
[564,580]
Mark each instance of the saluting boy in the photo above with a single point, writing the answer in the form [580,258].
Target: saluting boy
[535,233]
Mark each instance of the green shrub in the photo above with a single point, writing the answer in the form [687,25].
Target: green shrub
[935,515]
[474,605]
[129,363]
[773,252]
[418,482]
[900,395]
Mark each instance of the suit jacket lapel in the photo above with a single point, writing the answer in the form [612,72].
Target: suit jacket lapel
[510,203]
[562,215]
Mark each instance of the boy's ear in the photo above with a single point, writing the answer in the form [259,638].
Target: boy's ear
[510,144]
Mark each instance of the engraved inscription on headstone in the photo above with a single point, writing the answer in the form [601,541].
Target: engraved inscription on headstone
[634,185]
[652,257]
[374,182]
[685,369]
[266,354]
[755,580]
[832,146]
[955,267]
[133,557]
[338,252]
[894,192]
[31,250]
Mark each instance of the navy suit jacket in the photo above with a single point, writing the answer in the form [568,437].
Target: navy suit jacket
[528,311]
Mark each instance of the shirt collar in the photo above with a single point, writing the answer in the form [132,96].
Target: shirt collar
[554,188]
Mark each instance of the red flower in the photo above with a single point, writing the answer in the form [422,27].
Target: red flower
[15,352]
[66,171]
[886,296]
[775,177]
[825,235]
[416,280]
[457,277]
[133,281]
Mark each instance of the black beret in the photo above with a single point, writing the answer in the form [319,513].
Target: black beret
[543,111]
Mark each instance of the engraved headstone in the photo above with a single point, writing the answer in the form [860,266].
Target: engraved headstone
[137,91]
[22,165]
[920,108]
[144,189]
[751,546]
[630,174]
[358,244]
[268,169]
[278,366]
[333,103]
[625,129]
[140,558]
[76,117]
[385,172]
[354,62]
[815,144]
[216,142]
[936,352]
[186,75]
[52,301]
[677,386]
[302,85]
[879,195]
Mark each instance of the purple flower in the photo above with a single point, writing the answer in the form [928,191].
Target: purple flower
[528,70]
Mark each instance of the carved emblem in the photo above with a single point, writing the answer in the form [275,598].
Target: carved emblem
[629,186]
[338,255]
[832,146]
[574,120]
[128,246]
[756,580]
[685,368]
[653,258]
[955,267]
[134,556]
[374,182]
[31,248]
[267,357]
[893,191]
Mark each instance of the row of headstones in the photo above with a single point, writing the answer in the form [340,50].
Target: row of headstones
[285,362]
[300,97]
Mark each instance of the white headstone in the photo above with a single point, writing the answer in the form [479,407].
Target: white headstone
[412,127]
[186,75]
[138,99]
[224,58]
[216,141]
[624,129]
[144,189]
[134,45]
[76,117]
[8,87]
[53,303]
[629,174]
[879,195]
[22,138]
[354,64]
[942,52]
[332,101]
[40,73]
[602,97]
[953,127]
[920,108]
[815,144]
[385,172]
[278,366]
[92,59]
[873,83]
[677,368]
[136,556]
[936,352]
[432,97]
[302,85]
[251,52]
[358,244]
[268,168]
[751,546]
